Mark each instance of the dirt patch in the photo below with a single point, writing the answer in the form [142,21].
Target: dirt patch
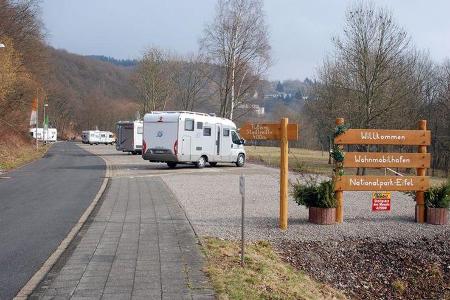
[372,269]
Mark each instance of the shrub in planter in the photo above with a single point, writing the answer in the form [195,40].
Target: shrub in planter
[437,201]
[319,198]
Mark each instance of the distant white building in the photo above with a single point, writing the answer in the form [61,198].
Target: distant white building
[259,110]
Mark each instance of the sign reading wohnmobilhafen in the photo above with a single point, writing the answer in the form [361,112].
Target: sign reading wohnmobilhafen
[381,183]
[383,160]
[381,201]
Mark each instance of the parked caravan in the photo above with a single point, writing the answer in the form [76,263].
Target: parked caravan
[107,138]
[129,136]
[95,137]
[48,135]
[177,137]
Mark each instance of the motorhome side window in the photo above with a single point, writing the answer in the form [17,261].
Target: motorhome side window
[207,131]
[226,132]
[235,138]
[189,125]
[199,125]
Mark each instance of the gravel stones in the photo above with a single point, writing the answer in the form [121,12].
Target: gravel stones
[373,269]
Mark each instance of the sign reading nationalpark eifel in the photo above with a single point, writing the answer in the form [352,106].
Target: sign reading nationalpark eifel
[419,161]
[381,183]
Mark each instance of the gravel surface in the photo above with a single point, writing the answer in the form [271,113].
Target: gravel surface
[369,269]
[213,204]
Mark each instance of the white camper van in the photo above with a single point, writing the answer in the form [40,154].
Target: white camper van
[97,137]
[107,138]
[188,137]
[129,136]
[48,135]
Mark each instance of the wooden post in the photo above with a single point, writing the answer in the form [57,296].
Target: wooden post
[284,170]
[339,194]
[420,195]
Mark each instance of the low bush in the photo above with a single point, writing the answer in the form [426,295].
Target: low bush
[438,196]
[315,194]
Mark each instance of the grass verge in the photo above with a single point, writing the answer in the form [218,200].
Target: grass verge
[14,157]
[265,275]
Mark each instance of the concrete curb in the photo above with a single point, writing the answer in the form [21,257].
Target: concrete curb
[29,287]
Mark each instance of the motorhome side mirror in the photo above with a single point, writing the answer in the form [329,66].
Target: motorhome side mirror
[242,142]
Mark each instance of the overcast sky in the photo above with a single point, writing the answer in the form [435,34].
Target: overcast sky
[300,30]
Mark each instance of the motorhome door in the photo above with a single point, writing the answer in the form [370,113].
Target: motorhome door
[186,148]
[227,145]
[218,144]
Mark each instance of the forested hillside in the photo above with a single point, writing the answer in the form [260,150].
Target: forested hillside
[85,93]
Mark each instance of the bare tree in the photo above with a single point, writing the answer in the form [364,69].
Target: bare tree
[237,43]
[153,80]
[373,62]
[190,79]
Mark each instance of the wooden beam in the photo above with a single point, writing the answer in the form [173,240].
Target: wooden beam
[386,160]
[381,183]
[384,137]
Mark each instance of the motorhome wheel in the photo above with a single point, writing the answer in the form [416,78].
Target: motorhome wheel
[201,162]
[171,165]
[240,160]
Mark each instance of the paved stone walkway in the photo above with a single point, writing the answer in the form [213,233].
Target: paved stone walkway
[139,245]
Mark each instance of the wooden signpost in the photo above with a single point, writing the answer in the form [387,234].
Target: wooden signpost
[283,132]
[421,161]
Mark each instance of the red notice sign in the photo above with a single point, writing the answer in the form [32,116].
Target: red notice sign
[381,201]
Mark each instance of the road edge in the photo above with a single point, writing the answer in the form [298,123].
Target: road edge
[29,287]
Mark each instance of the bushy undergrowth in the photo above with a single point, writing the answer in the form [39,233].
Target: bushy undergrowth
[315,194]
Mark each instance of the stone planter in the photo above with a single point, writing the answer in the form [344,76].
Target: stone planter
[322,216]
[437,216]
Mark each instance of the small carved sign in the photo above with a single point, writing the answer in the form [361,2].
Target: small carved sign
[267,131]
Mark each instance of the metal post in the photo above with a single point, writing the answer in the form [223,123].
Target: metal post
[420,195]
[43,126]
[284,170]
[37,119]
[242,191]
[339,194]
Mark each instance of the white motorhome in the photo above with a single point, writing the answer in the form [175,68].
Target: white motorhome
[107,137]
[129,136]
[95,137]
[48,135]
[188,137]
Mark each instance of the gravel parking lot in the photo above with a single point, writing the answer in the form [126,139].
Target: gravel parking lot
[212,202]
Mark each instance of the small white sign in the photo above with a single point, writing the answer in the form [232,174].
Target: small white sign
[242,184]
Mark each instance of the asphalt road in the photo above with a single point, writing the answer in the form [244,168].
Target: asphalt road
[39,205]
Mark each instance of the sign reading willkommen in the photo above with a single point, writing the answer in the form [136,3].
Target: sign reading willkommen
[380,184]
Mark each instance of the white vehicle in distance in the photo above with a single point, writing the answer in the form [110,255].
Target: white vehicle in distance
[129,136]
[48,135]
[95,137]
[107,137]
[177,137]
